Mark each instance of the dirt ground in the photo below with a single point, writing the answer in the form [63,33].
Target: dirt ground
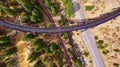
[109,32]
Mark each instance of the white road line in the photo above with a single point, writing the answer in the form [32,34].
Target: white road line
[87,37]
[91,45]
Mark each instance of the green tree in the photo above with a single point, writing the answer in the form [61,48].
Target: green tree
[33,56]
[89,8]
[96,37]
[51,49]
[27,37]
[106,45]
[51,6]
[86,53]
[65,35]
[100,42]
[116,64]
[8,11]
[14,8]
[27,7]
[58,61]
[11,2]
[62,23]
[22,1]
[100,46]
[105,52]
[8,44]
[11,62]
[37,7]
[24,17]
[38,64]
[53,10]
[47,62]
[116,50]
[77,63]
[65,2]
[47,25]
[10,51]
[4,39]
[38,44]
[36,13]
[69,10]
[33,19]
[47,3]
[47,51]
[0,12]
[68,7]
[7,53]
[32,2]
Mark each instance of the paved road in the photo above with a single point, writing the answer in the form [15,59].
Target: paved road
[119,1]
[91,45]
[76,54]
[87,37]
[61,44]
[78,15]
[59,29]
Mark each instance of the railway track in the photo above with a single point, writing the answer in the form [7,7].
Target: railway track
[65,51]
[46,11]
[61,44]
[61,29]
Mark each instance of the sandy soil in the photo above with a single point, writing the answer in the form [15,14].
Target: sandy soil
[109,32]
[22,54]
[101,7]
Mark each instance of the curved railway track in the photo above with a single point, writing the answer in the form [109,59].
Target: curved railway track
[61,29]
[61,44]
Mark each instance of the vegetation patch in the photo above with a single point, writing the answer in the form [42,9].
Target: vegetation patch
[89,8]
[7,52]
[68,8]
[28,37]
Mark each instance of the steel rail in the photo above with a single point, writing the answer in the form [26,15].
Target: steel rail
[65,51]
[46,11]
[60,40]
[61,29]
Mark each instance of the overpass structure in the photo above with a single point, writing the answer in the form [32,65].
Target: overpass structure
[61,29]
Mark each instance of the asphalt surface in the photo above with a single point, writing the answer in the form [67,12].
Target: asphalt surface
[87,37]
[61,44]
[78,15]
[91,45]
[119,1]
[61,29]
